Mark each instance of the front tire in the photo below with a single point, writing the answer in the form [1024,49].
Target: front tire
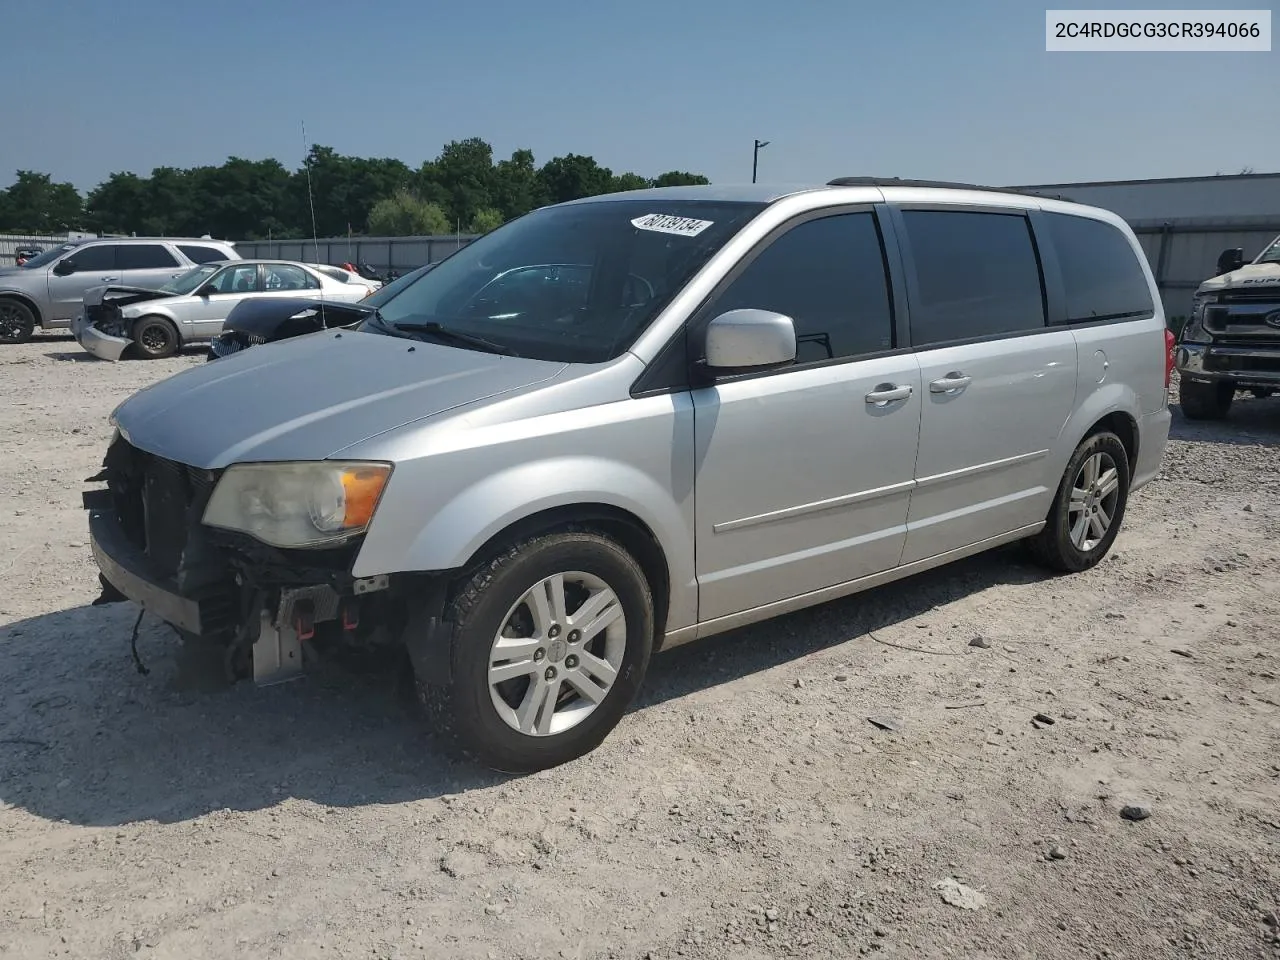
[1088,508]
[550,643]
[156,338]
[17,321]
[1205,401]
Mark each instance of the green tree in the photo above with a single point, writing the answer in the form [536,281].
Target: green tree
[573,176]
[168,209]
[34,203]
[462,178]
[629,181]
[678,178]
[344,190]
[241,198]
[115,205]
[404,214]
[517,188]
[485,219]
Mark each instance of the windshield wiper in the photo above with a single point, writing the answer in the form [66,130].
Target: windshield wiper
[436,329]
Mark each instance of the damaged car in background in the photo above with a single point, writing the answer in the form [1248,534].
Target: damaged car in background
[157,322]
[260,320]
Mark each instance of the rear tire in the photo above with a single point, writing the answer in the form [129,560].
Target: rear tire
[1205,401]
[17,321]
[532,685]
[1088,508]
[156,338]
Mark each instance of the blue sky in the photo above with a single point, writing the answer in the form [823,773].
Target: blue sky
[932,90]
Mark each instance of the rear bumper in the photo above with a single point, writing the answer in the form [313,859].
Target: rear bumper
[1252,366]
[1153,438]
[101,345]
[126,568]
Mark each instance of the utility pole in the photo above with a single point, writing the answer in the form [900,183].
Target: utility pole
[755,158]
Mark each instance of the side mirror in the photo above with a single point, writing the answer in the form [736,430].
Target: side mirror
[1230,259]
[64,268]
[205,290]
[750,340]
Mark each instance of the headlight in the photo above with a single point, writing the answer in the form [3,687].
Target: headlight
[298,504]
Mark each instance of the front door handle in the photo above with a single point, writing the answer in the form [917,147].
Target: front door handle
[951,383]
[110,279]
[887,393]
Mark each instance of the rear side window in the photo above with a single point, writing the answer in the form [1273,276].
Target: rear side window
[1102,274]
[828,276]
[976,275]
[198,254]
[144,256]
[283,276]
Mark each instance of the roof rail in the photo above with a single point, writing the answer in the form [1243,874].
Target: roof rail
[900,182]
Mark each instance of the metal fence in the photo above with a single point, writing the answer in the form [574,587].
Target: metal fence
[1183,253]
[382,253]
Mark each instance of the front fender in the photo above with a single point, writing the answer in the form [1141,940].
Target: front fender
[458,528]
[461,526]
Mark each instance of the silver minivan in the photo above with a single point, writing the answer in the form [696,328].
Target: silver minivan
[619,424]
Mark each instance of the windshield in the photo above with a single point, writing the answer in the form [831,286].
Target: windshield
[1271,254]
[389,290]
[191,280]
[575,283]
[46,258]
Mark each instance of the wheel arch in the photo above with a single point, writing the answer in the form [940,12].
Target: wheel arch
[27,301]
[620,525]
[1111,408]
[174,325]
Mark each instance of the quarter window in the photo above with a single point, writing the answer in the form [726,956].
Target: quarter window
[828,276]
[976,275]
[1102,275]
[145,256]
[198,254]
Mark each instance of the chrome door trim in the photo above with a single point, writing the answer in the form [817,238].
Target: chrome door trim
[966,472]
[787,513]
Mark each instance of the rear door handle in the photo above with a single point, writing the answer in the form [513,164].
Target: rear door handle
[886,393]
[950,383]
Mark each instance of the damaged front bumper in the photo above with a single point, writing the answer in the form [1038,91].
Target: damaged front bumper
[262,604]
[101,344]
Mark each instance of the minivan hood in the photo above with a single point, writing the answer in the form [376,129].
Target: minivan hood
[309,397]
[1251,274]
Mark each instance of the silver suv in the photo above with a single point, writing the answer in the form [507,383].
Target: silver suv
[48,291]
[623,423]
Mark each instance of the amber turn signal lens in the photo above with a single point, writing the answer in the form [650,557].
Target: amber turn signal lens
[362,487]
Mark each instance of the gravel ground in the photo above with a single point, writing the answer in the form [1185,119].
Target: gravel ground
[746,808]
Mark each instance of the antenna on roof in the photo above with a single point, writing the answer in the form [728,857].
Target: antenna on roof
[311,202]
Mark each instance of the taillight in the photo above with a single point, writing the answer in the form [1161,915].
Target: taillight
[1170,342]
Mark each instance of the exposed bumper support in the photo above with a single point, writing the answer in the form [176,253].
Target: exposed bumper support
[124,566]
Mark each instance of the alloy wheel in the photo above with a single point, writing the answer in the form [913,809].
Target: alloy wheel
[557,653]
[1094,495]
